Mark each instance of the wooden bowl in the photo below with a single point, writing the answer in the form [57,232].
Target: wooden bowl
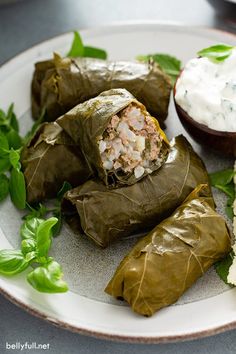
[223,142]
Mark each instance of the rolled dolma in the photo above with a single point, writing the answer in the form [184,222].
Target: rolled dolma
[178,251]
[121,141]
[106,215]
[49,159]
[60,84]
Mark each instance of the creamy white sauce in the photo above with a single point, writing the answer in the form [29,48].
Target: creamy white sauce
[207,92]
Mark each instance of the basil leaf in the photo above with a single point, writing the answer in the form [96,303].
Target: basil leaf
[39,212]
[28,246]
[29,228]
[4,164]
[216,53]
[31,256]
[169,64]
[79,50]
[221,177]
[2,116]
[17,188]
[3,143]
[48,278]
[222,266]
[4,187]
[11,118]
[229,211]
[91,52]
[14,139]
[12,262]
[44,236]
[228,189]
[77,47]
[223,180]
[57,227]
[14,158]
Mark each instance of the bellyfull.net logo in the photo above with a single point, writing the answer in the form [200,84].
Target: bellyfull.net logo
[27,346]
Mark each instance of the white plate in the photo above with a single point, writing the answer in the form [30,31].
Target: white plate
[210,307]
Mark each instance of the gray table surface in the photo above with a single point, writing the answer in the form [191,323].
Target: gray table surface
[27,22]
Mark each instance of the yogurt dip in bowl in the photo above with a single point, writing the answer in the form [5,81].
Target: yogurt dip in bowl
[205,100]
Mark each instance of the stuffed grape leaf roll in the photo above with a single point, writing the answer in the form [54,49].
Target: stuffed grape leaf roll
[60,84]
[108,214]
[178,251]
[49,159]
[120,140]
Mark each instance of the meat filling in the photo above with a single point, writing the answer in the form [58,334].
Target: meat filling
[131,142]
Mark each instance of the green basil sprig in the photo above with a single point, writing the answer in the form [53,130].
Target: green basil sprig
[224,181]
[222,267]
[4,186]
[217,53]
[10,128]
[78,49]
[169,64]
[10,148]
[44,236]
[12,262]
[48,278]
[36,234]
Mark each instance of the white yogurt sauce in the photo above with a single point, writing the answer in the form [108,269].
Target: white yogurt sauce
[207,92]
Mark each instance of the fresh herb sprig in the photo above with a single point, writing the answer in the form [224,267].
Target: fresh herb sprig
[169,64]
[224,181]
[217,53]
[36,234]
[36,231]
[78,49]
[11,143]
[222,267]
[10,128]
[11,177]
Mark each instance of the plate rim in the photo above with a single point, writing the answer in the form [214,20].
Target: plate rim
[95,333]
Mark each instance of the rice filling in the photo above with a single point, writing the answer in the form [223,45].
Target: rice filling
[131,143]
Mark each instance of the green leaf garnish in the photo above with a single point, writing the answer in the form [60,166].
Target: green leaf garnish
[4,186]
[224,181]
[12,262]
[216,53]
[3,143]
[10,128]
[14,139]
[5,164]
[38,212]
[91,52]
[29,228]
[36,232]
[79,50]
[77,47]
[223,177]
[169,64]
[48,278]
[44,236]
[14,158]
[17,188]
[11,118]
[28,246]
[222,267]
